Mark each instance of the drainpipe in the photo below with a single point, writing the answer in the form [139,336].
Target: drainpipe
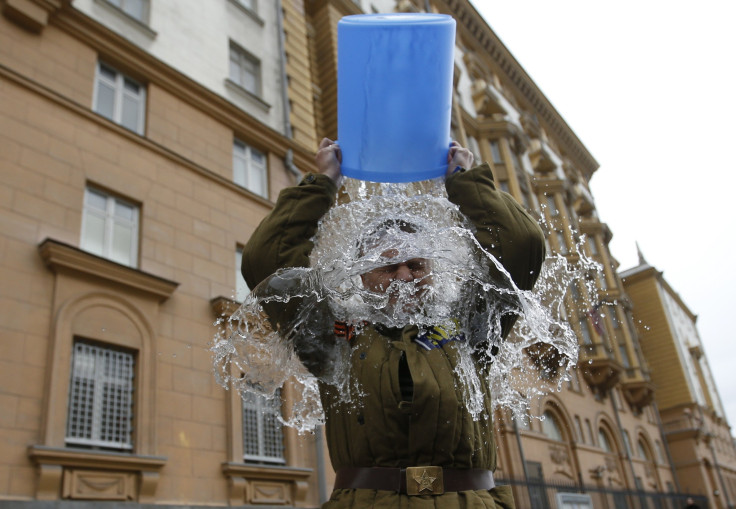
[289,160]
[666,444]
[521,453]
[319,444]
[621,432]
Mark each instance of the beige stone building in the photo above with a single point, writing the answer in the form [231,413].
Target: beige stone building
[695,425]
[141,142]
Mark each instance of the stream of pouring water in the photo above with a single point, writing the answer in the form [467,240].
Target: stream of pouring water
[257,354]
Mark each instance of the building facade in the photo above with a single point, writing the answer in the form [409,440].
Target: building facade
[141,142]
[690,407]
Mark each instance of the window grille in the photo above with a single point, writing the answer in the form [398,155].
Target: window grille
[100,411]
[110,227]
[249,168]
[119,98]
[263,439]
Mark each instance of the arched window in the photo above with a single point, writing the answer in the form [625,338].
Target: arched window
[550,426]
[643,451]
[603,441]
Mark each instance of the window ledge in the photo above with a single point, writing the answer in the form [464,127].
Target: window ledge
[250,12]
[129,20]
[95,475]
[263,484]
[59,257]
[248,95]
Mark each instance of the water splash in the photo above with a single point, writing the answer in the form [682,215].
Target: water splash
[283,331]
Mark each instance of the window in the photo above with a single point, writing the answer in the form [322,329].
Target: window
[119,98]
[245,70]
[603,441]
[593,245]
[241,287]
[137,9]
[584,331]
[100,411]
[249,168]
[474,149]
[496,156]
[110,227]
[263,439]
[550,427]
[248,4]
[643,453]
[552,206]
[562,245]
[579,426]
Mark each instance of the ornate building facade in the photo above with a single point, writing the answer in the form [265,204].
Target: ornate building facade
[141,142]
[693,419]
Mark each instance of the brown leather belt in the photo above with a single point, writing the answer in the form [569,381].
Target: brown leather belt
[429,480]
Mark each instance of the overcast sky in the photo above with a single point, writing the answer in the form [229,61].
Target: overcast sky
[649,88]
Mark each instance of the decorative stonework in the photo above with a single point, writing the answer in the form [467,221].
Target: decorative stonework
[32,15]
[560,456]
[95,475]
[95,485]
[259,484]
[638,393]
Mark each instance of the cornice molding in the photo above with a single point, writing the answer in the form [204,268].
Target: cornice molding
[41,454]
[139,62]
[477,28]
[266,472]
[63,257]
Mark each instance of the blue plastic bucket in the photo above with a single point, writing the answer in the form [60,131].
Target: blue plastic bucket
[394,95]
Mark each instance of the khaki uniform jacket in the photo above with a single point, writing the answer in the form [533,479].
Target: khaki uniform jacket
[434,427]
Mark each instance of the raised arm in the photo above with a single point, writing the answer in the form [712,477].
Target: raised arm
[282,239]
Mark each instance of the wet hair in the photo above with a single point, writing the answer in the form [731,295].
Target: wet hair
[374,236]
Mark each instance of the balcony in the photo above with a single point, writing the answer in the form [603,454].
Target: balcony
[487,101]
[600,373]
[638,392]
[541,157]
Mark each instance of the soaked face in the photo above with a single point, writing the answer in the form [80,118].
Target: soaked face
[404,280]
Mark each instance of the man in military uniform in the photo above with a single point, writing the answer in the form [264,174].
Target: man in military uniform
[410,441]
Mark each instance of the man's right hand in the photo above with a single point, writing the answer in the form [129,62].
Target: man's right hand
[328,158]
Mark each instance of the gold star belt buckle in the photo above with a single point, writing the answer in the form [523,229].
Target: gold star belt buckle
[424,481]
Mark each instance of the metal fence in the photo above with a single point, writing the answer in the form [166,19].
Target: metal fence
[544,495]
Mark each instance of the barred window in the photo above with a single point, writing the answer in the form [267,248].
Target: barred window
[263,438]
[249,168]
[100,410]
